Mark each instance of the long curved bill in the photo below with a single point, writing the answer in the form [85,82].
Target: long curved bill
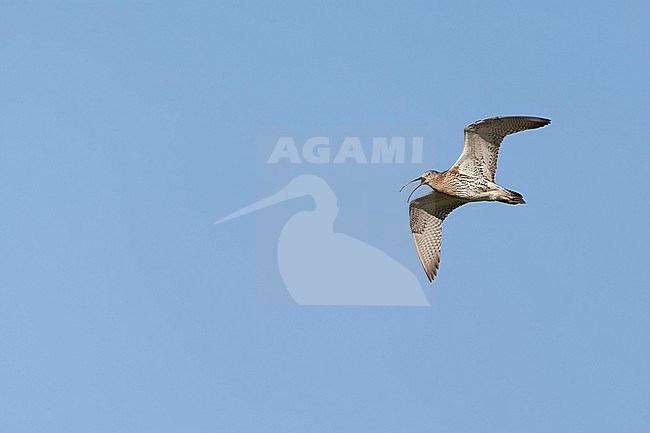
[419,179]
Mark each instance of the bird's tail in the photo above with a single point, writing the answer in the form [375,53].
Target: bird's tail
[511,197]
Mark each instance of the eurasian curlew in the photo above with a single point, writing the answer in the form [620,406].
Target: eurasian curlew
[471,178]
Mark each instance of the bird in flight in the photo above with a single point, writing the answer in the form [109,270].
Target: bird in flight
[470,179]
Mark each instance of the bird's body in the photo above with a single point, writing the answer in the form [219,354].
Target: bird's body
[470,179]
[471,188]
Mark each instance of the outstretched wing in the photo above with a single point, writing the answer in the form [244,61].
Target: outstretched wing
[482,141]
[427,214]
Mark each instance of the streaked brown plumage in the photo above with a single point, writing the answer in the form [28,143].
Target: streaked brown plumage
[471,178]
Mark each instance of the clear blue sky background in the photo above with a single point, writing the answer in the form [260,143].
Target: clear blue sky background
[127,129]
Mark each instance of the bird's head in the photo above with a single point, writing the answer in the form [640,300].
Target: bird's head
[426,178]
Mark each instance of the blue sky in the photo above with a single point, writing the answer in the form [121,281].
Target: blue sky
[127,129]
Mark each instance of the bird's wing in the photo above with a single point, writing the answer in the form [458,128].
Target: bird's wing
[427,214]
[482,141]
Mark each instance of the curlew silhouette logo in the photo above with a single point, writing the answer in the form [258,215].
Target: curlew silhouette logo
[322,267]
[305,251]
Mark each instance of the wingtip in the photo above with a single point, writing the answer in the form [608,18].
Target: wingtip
[538,121]
[542,121]
[431,274]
